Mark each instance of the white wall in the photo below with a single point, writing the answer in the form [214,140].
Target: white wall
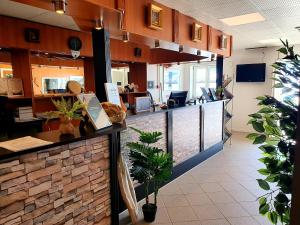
[244,102]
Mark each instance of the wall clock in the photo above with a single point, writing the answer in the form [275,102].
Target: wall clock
[75,43]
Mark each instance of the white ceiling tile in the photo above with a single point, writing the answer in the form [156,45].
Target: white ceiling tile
[281,18]
[14,9]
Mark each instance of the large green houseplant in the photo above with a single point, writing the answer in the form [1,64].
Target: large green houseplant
[151,166]
[275,125]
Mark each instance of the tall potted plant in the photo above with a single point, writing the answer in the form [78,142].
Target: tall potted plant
[275,125]
[151,166]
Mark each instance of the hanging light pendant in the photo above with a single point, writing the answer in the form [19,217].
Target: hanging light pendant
[99,24]
[125,37]
[60,6]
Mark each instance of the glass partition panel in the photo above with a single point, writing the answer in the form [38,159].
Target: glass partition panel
[53,79]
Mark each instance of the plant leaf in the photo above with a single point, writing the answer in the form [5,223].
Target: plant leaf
[263,184]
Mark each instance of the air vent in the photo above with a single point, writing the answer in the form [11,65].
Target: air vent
[297,28]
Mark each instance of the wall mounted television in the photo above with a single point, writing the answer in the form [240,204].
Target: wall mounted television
[251,72]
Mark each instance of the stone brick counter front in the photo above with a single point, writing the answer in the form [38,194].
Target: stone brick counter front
[68,184]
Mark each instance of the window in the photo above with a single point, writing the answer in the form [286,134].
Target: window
[171,79]
[204,77]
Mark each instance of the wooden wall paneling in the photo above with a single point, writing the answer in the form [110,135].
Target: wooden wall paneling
[52,39]
[21,66]
[51,61]
[5,57]
[214,45]
[159,55]
[175,32]
[136,17]
[185,31]
[138,75]
[89,75]
[121,51]
[111,4]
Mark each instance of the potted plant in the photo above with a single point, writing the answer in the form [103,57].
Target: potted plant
[66,111]
[151,166]
[220,92]
[275,130]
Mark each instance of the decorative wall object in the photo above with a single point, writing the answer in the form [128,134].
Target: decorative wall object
[150,84]
[32,35]
[155,17]
[11,87]
[223,42]
[196,32]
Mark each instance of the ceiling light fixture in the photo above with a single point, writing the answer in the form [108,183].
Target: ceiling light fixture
[243,19]
[99,24]
[60,6]
[156,44]
[125,37]
[180,48]
[270,41]
[198,53]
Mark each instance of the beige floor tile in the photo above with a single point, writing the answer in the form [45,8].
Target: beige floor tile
[243,196]
[215,222]
[198,199]
[262,220]
[232,210]
[231,186]
[251,207]
[175,200]
[188,223]
[211,187]
[170,189]
[188,188]
[207,212]
[181,214]
[220,197]
[243,221]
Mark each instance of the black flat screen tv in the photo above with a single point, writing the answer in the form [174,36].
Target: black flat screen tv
[251,72]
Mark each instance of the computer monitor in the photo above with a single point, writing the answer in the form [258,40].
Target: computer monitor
[179,97]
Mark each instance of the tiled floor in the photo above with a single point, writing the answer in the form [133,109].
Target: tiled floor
[220,191]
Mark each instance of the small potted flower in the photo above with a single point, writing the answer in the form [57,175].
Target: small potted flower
[66,112]
[151,166]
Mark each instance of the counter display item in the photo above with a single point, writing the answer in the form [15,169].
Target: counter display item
[95,111]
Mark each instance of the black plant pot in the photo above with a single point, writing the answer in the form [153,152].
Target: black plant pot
[149,211]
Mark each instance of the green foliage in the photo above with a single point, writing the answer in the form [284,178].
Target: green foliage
[66,108]
[275,126]
[150,165]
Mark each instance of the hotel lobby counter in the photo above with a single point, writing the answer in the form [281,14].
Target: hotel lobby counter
[58,140]
[68,182]
[190,134]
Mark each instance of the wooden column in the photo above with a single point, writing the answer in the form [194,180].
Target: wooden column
[102,61]
[21,66]
[219,71]
[138,75]
[89,75]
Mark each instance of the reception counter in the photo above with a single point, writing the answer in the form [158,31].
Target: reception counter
[190,134]
[70,181]
[73,180]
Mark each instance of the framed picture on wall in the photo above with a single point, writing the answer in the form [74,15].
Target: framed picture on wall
[150,84]
[171,79]
[223,42]
[196,32]
[154,17]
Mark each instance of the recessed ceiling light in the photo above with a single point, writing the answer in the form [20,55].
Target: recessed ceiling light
[243,19]
[270,41]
